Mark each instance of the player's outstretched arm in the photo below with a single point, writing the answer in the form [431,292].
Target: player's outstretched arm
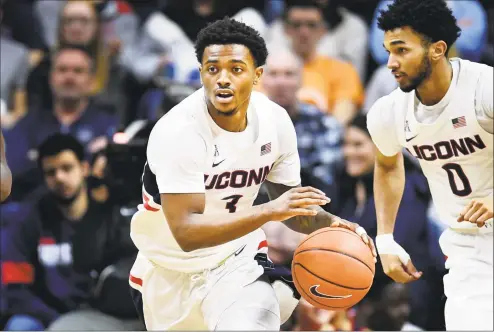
[194,230]
[389,183]
[5,174]
[310,223]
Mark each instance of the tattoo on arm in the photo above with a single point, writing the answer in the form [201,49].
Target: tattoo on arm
[309,224]
[301,224]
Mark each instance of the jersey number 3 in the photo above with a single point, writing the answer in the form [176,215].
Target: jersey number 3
[232,201]
[454,171]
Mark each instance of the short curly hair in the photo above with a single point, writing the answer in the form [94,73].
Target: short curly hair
[433,19]
[229,31]
[58,143]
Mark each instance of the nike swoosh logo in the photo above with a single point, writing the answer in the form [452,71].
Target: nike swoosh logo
[313,290]
[409,139]
[216,164]
[236,253]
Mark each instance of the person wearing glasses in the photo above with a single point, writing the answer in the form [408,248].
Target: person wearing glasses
[332,85]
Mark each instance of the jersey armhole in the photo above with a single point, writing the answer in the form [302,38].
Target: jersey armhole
[477,107]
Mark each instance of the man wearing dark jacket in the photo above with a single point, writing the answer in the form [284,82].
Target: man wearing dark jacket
[59,261]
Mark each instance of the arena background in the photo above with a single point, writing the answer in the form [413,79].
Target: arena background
[103,72]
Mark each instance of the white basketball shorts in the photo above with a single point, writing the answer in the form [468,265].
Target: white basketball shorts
[236,295]
[468,286]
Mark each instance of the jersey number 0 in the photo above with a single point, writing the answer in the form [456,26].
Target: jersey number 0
[455,171]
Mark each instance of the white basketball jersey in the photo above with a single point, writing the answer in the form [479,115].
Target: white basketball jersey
[230,175]
[454,151]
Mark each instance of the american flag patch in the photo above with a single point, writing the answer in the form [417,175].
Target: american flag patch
[265,149]
[459,122]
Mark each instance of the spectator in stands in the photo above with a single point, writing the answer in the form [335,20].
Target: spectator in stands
[73,112]
[347,38]
[319,135]
[60,259]
[355,201]
[332,85]
[345,35]
[119,23]
[14,70]
[388,310]
[79,24]
[117,29]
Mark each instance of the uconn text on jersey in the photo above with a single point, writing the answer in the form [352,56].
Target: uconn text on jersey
[237,179]
[448,149]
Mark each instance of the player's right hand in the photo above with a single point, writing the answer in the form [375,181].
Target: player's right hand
[478,211]
[298,201]
[396,270]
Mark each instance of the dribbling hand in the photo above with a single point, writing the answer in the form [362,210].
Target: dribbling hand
[300,202]
[477,212]
[360,232]
[296,202]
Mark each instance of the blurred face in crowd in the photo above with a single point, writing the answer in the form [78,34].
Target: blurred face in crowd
[409,57]
[323,2]
[79,23]
[65,175]
[358,151]
[228,73]
[396,298]
[71,76]
[305,26]
[282,78]
[393,309]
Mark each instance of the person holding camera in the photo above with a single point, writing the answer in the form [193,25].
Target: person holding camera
[66,265]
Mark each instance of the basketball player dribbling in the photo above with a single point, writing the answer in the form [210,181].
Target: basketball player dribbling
[202,255]
[442,113]
[5,174]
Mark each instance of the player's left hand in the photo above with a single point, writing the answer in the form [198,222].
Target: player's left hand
[477,211]
[360,232]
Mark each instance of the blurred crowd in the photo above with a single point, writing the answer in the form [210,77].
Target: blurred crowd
[83,82]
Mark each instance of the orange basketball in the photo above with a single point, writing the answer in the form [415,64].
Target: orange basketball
[333,268]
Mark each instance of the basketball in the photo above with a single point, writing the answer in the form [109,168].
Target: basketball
[333,268]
